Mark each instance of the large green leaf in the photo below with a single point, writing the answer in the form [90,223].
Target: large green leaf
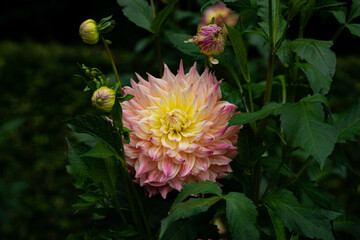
[189,48]
[243,118]
[317,53]
[310,222]
[182,210]
[77,167]
[312,195]
[319,82]
[181,230]
[348,123]
[354,10]
[197,188]
[137,11]
[241,214]
[278,224]
[162,15]
[304,126]
[239,49]
[340,14]
[354,28]
[100,129]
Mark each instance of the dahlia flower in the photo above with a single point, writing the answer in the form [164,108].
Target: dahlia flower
[104,99]
[219,12]
[211,41]
[179,132]
[89,32]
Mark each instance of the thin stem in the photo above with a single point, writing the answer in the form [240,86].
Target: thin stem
[112,62]
[268,89]
[157,42]
[337,33]
[296,177]
[250,97]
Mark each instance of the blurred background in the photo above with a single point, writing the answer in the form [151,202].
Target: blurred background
[39,50]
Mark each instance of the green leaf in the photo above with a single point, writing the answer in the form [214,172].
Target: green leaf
[312,195]
[354,10]
[182,210]
[99,151]
[348,224]
[327,4]
[203,187]
[307,221]
[239,5]
[338,156]
[317,53]
[99,128]
[241,214]
[304,126]
[278,225]
[340,14]
[162,15]
[284,52]
[239,50]
[180,230]
[295,6]
[249,148]
[279,28]
[190,48]
[231,94]
[319,82]
[77,168]
[306,12]
[348,123]
[104,172]
[271,108]
[91,196]
[137,11]
[354,28]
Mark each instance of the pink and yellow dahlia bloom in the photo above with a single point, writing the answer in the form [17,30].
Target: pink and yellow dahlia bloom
[179,132]
[219,12]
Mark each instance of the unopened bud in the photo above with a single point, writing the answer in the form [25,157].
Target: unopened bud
[220,13]
[211,40]
[104,99]
[89,32]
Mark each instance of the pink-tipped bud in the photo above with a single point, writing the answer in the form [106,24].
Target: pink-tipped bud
[104,99]
[210,39]
[89,32]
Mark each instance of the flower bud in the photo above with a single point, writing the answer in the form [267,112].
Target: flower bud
[104,99]
[89,32]
[211,40]
[220,13]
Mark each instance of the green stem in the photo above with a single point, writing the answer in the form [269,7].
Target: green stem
[268,90]
[337,33]
[267,97]
[112,62]
[296,177]
[157,42]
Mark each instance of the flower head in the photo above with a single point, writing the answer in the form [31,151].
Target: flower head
[104,99]
[179,132]
[219,12]
[89,32]
[211,40]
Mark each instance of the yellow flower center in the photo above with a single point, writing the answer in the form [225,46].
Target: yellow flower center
[173,123]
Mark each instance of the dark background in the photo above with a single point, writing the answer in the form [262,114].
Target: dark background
[39,49]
